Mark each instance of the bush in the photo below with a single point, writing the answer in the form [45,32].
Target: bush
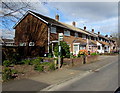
[79,55]
[7,74]
[52,66]
[26,61]
[65,50]
[36,60]
[6,63]
[39,68]
[14,71]
[93,54]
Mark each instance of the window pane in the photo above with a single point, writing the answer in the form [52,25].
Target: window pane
[76,34]
[66,32]
[53,29]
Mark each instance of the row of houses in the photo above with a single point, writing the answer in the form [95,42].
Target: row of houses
[34,29]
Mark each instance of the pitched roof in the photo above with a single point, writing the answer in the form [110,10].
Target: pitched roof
[1,41]
[74,28]
[7,40]
[92,42]
[91,33]
[81,41]
[104,43]
[53,22]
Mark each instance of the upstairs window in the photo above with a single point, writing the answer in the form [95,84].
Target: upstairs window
[76,34]
[83,36]
[53,29]
[90,37]
[66,32]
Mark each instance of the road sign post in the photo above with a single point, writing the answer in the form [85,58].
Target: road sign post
[60,38]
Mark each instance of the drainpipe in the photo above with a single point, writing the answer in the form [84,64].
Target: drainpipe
[87,44]
[48,36]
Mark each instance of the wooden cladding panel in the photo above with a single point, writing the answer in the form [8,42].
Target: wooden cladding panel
[31,29]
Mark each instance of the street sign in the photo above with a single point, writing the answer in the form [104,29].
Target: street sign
[60,36]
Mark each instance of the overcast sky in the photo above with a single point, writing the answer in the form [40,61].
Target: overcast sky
[100,16]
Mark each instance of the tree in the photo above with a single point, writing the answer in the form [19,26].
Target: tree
[65,50]
[12,11]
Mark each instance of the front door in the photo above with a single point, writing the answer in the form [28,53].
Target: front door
[76,49]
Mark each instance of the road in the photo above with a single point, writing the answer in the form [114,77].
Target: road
[104,79]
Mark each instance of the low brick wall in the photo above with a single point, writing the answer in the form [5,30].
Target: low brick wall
[92,58]
[80,60]
[74,61]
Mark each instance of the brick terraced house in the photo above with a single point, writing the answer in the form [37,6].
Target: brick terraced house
[39,32]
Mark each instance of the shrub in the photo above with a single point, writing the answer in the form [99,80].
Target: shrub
[52,66]
[93,54]
[39,68]
[7,74]
[14,71]
[6,63]
[83,52]
[26,61]
[79,55]
[65,50]
[46,63]
[36,60]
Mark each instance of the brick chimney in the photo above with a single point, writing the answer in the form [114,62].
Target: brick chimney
[92,30]
[73,23]
[57,17]
[84,27]
[98,33]
[106,35]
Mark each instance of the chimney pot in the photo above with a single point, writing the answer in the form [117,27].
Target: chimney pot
[73,23]
[106,35]
[110,35]
[57,17]
[84,27]
[92,30]
[98,33]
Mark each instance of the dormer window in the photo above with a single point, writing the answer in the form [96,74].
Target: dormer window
[66,32]
[53,29]
[76,34]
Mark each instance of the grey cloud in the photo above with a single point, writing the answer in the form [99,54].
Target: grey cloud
[92,11]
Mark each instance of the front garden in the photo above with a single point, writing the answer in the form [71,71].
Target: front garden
[16,66]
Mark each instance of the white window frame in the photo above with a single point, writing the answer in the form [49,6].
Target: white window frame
[31,44]
[66,32]
[74,50]
[22,44]
[53,29]
[83,36]
[76,34]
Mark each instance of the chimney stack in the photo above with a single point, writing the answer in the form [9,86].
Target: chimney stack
[84,27]
[106,35]
[73,23]
[98,33]
[57,17]
[92,30]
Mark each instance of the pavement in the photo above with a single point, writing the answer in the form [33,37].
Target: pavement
[46,81]
[103,79]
